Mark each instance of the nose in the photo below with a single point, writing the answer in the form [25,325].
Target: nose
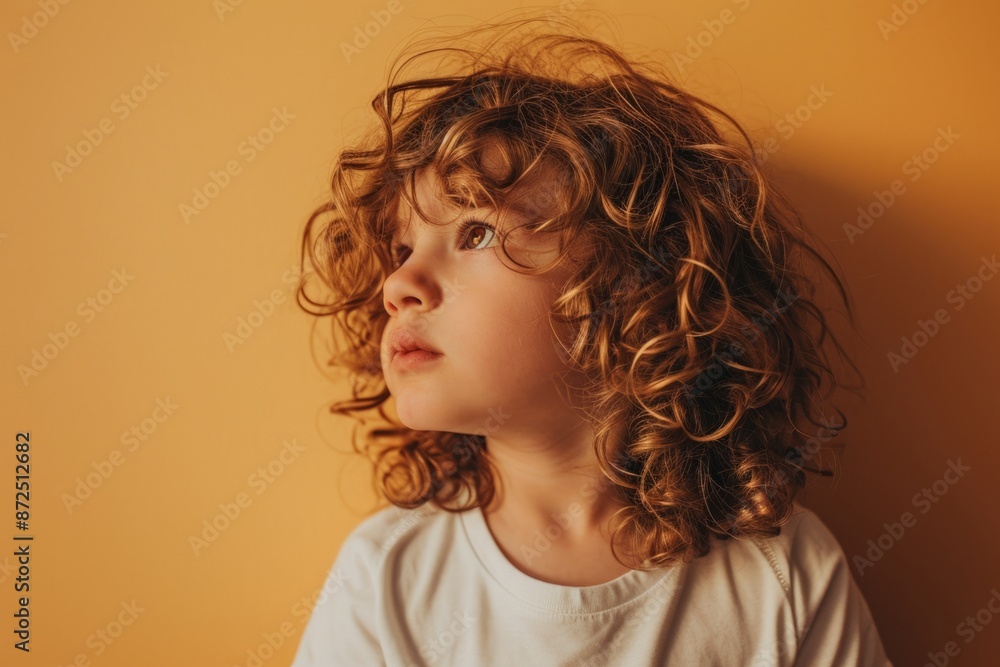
[413,285]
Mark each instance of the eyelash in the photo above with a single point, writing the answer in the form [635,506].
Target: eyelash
[463,229]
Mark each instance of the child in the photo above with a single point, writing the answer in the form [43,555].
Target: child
[590,310]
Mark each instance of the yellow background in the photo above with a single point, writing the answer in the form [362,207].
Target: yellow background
[161,337]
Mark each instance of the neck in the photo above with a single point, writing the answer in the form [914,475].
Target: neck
[551,478]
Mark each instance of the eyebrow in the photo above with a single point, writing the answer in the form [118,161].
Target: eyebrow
[516,208]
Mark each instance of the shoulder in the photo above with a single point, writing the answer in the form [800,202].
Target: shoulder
[395,551]
[833,623]
[389,530]
[785,571]
[347,624]
[805,554]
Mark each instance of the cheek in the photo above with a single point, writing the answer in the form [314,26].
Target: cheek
[521,338]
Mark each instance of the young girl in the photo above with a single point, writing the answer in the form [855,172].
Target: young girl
[591,311]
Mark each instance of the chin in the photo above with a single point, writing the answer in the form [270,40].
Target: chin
[415,417]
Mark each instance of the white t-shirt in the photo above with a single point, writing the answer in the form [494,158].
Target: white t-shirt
[429,587]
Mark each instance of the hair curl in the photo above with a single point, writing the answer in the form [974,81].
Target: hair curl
[695,322]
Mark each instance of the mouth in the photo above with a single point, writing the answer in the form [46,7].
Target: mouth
[413,359]
[409,351]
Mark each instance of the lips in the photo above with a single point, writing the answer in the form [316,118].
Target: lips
[406,340]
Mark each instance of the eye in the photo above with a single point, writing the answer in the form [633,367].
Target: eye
[475,224]
[482,231]
[394,254]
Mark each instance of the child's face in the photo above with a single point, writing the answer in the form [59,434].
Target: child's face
[490,323]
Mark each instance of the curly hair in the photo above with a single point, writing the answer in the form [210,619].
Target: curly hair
[694,320]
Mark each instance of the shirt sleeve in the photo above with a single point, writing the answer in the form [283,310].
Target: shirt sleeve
[342,628]
[838,628]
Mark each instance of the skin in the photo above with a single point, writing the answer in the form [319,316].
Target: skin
[500,376]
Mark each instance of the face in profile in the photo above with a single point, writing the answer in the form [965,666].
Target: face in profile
[494,352]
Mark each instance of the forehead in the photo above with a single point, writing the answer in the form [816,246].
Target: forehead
[428,192]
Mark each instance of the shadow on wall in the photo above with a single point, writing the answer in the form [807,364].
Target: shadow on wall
[914,474]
